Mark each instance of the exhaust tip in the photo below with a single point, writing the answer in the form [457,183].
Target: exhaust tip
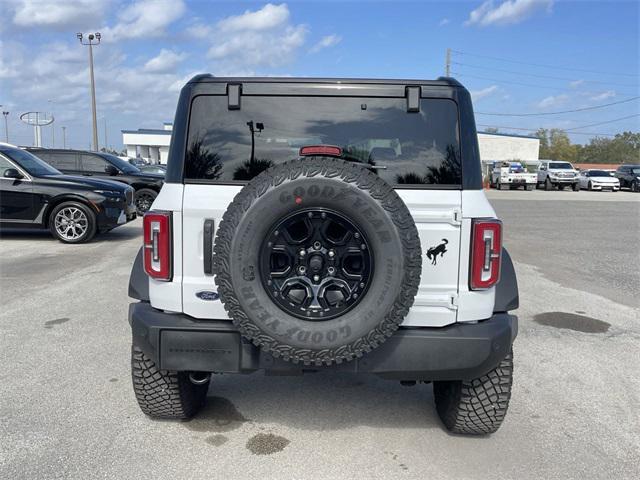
[199,378]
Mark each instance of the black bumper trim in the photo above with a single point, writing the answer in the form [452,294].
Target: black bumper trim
[462,351]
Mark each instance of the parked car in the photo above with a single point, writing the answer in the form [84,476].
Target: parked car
[598,180]
[136,162]
[334,244]
[156,169]
[33,194]
[552,173]
[509,175]
[629,176]
[106,166]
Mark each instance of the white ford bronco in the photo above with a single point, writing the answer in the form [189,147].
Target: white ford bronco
[324,224]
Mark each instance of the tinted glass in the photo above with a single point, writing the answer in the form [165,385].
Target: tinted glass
[415,148]
[93,163]
[62,160]
[598,173]
[560,166]
[29,162]
[635,170]
[120,164]
[4,165]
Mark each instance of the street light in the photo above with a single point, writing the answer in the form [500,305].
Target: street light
[6,127]
[53,128]
[64,137]
[93,39]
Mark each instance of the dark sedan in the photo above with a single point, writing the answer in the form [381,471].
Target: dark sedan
[33,194]
[106,166]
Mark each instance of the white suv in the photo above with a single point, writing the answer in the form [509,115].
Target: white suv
[552,173]
[324,224]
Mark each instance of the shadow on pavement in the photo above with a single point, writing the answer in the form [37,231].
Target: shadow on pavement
[319,401]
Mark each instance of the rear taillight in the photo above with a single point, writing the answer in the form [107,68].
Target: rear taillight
[486,252]
[157,245]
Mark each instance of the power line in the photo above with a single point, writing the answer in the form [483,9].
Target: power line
[508,82]
[595,107]
[543,76]
[556,67]
[603,123]
[533,129]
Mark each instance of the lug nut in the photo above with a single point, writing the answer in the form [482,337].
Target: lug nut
[357,235]
[363,247]
[355,295]
[316,278]
[332,253]
[362,285]
[303,252]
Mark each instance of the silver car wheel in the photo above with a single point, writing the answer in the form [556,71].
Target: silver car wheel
[71,223]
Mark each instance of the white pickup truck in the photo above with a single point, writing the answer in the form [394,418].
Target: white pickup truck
[508,175]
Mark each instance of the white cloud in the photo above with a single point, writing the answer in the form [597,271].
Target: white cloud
[326,42]
[144,18]
[576,83]
[552,101]
[199,31]
[58,13]
[604,95]
[507,12]
[268,17]
[165,61]
[443,22]
[485,92]
[256,38]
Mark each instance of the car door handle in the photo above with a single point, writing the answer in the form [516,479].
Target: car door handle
[207,246]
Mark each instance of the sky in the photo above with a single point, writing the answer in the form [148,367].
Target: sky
[519,57]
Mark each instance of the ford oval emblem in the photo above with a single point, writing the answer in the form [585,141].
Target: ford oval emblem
[208,295]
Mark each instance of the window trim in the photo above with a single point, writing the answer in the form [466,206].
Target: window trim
[27,177]
[395,186]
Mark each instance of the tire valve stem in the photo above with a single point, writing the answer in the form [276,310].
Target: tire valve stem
[363,247]
[356,235]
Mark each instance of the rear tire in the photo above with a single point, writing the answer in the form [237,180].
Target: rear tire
[478,406]
[143,199]
[576,187]
[164,393]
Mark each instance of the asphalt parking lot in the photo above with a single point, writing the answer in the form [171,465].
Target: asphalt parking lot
[68,411]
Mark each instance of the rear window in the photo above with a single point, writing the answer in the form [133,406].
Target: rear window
[408,148]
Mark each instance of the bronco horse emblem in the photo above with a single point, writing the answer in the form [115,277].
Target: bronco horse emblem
[433,252]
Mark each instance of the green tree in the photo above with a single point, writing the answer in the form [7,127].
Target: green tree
[623,148]
[555,144]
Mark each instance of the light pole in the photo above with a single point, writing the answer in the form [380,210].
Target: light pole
[93,39]
[6,126]
[53,128]
[64,137]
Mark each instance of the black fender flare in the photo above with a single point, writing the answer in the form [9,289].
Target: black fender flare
[507,297]
[138,280]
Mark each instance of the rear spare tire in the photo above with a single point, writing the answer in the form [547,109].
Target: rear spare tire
[317,261]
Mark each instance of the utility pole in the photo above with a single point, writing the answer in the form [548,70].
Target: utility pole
[91,43]
[104,119]
[6,127]
[64,137]
[447,67]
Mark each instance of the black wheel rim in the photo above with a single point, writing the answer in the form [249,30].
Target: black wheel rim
[316,264]
[143,202]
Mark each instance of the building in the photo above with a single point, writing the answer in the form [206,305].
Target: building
[153,146]
[149,144]
[508,147]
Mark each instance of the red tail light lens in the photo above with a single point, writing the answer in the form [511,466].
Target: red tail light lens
[486,252]
[328,150]
[157,245]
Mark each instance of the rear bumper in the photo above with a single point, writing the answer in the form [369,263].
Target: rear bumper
[456,352]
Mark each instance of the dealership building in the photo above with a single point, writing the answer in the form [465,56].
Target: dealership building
[153,145]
